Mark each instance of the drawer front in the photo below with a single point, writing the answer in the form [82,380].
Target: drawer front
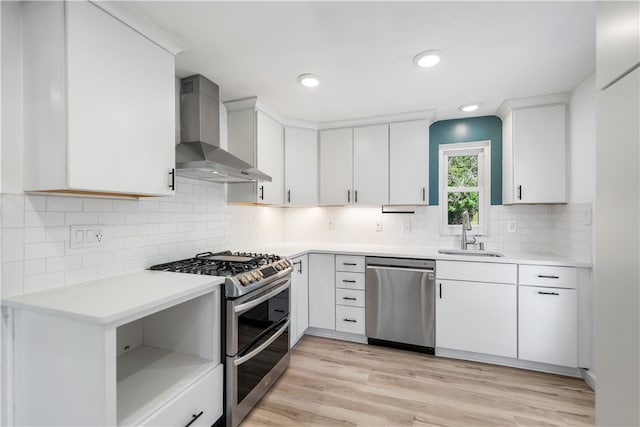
[203,396]
[545,275]
[350,263]
[350,319]
[349,280]
[477,271]
[350,297]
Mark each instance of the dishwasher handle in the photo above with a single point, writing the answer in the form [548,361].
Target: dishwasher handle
[396,268]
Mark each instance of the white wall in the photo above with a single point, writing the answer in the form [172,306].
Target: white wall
[582,142]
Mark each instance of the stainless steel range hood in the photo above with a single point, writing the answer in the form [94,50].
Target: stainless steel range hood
[199,154]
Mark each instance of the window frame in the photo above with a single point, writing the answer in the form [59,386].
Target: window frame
[483,150]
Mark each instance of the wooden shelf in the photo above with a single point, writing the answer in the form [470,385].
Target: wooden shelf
[149,377]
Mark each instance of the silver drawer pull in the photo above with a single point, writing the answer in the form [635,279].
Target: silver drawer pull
[349,263]
[350,298]
[543,276]
[350,320]
[348,281]
[548,293]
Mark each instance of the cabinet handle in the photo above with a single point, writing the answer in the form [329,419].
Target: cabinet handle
[172,184]
[349,320]
[288,196]
[348,196]
[349,263]
[348,281]
[440,286]
[424,194]
[299,263]
[262,192]
[355,196]
[278,310]
[350,298]
[542,276]
[194,417]
[519,192]
[548,293]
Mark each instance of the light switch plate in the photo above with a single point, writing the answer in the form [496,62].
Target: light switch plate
[511,226]
[86,236]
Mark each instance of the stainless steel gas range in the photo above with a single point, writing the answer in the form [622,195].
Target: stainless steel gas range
[257,322]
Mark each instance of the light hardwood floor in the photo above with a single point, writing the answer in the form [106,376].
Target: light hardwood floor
[340,383]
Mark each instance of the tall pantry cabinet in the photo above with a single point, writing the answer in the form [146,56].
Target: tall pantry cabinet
[616,268]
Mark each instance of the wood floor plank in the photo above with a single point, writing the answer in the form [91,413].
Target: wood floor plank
[337,383]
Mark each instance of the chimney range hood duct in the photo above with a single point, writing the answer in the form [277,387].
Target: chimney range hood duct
[199,154]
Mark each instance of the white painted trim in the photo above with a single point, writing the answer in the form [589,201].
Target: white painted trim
[428,115]
[507,361]
[336,335]
[302,124]
[532,101]
[589,378]
[252,103]
[126,15]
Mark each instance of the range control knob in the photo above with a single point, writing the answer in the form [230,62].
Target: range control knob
[244,279]
[255,275]
[278,267]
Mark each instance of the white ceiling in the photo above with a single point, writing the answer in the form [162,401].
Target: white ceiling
[363,52]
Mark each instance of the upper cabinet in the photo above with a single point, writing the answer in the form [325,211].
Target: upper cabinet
[534,156]
[300,166]
[354,166]
[256,137]
[99,104]
[409,163]
[618,41]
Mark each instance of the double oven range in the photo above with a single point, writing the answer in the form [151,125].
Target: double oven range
[256,318]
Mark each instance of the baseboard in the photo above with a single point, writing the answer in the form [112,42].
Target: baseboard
[589,378]
[508,361]
[336,335]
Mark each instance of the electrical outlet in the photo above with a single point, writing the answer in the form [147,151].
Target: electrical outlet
[379,225]
[406,225]
[511,226]
[86,236]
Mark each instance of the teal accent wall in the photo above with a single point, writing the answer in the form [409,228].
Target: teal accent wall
[466,130]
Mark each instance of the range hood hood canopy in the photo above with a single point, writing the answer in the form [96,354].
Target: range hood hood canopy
[199,154]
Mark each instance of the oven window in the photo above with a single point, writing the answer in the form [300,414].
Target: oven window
[251,372]
[253,324]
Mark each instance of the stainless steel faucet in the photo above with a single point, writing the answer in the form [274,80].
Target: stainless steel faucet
[466,226]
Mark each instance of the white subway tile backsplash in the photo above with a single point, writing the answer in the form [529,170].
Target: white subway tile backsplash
[55,264]
[82,218]
[43,281]
[43,219]
[34,267]
[12,244]
[64,204]
[35,203]
[34,235]
[12,211]
[43,250]
[97,205]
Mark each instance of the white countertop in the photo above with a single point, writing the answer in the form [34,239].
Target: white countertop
[292,250]
[119,299]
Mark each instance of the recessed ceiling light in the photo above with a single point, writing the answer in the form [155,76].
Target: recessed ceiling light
[467,108]
[428,58]
[308,80]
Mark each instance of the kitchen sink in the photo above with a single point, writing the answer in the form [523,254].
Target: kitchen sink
[464,252]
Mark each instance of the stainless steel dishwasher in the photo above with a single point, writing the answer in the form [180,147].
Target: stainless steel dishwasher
[400,303]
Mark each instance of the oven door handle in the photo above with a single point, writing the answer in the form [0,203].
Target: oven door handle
[240,360]
[255,302]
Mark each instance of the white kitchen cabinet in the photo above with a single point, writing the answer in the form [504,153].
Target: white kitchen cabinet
[299,298]
[99,105]
[336,166]
[477,317]
[257,138]
[618,40]
[350,319]
[409,163]
[301,166]
[354,166]
[371,165]
[322,291]
[548,325]
[534,143]
[143,348]
[350,290]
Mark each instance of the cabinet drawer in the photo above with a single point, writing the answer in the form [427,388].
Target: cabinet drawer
[349,280]
[350,297]
[205,396]
[477,271]
[350,263]
[545,275]
[350,319]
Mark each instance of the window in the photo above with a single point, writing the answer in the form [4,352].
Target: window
[464,185]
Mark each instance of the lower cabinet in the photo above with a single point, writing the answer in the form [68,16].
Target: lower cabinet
[350,319]
[299,298]
[322,291]
[548,325]
[477,317]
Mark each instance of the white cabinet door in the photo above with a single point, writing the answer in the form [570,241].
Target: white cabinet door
[539,155]
[116,104]
[476,317]
[270,159]
[299,298]
[322,291]
[548,325]
[371,165]
[336,167]
[301,166]
[409,163]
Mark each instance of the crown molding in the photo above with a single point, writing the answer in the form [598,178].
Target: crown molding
[532,101]
[428,115]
